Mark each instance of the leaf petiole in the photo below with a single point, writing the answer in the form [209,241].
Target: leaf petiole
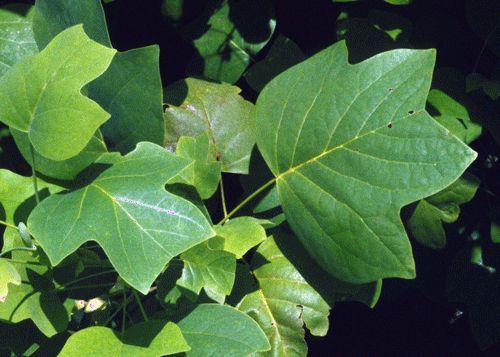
[248,199]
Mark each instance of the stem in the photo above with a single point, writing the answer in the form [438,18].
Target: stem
[35,183]
[139,302]
[15,261]
[7,224]
[485,43]
[124,306]
[124,313]
[87,277]
[223,197]
[246,200]
[17,248]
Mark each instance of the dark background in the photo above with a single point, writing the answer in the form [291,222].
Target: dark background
[412,317]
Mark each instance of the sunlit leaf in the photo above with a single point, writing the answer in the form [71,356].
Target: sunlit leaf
[350,145]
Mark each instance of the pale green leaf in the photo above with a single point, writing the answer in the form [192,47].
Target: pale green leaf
[283,54]
[8,275]
[218,330]
[284,302]
[152,338]
[35,298]
[209,268]
[127,211]
[54,16]
[65,169]
[197,107]
[131,91]
[16,37]
[349,146]
[241,234]
[426,221]
[205,173]
[41,95]
[235,32]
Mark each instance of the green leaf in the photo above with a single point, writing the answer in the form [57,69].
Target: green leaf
[65,169]
[35,299]
[152,338]
[206,171]
[54,16]
[16,37]
[8,275]
[475,81]
[131,91]
[209,268]
[426,222]
[218,330]
[41,95]
[126,210]
[283,54]
[237,31]
[453,116]
[241,234]
[350,145]
[284,302]
[198,107]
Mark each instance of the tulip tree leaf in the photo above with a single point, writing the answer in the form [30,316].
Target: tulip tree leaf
[131,91]
[219,330]
[41,95]
[208,268]
[8,275]
[241,234]
[54,16]
[453,116]
[215,108]
[283,54]
[65,169]
[152,338]
[206,171]
[426,222]
[16,36]
[236,31]
[350,145]
[126,210]
[284,302]
[35,298]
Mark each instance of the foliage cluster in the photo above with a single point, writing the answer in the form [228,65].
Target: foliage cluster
[353,160]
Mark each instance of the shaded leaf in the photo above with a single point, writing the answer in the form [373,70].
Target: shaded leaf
[152,338]
[236,31]
[218,330]
[198,107]
[54,16]
[126,210]
[131,91]
[41,95]
[349,147]
[241,234]
[35,298]
[283,54]
[209,268]
[16,37]
[426,222]
[284,303]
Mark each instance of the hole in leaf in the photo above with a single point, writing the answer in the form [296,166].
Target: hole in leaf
[389,125]
[391,89]
[411,112]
